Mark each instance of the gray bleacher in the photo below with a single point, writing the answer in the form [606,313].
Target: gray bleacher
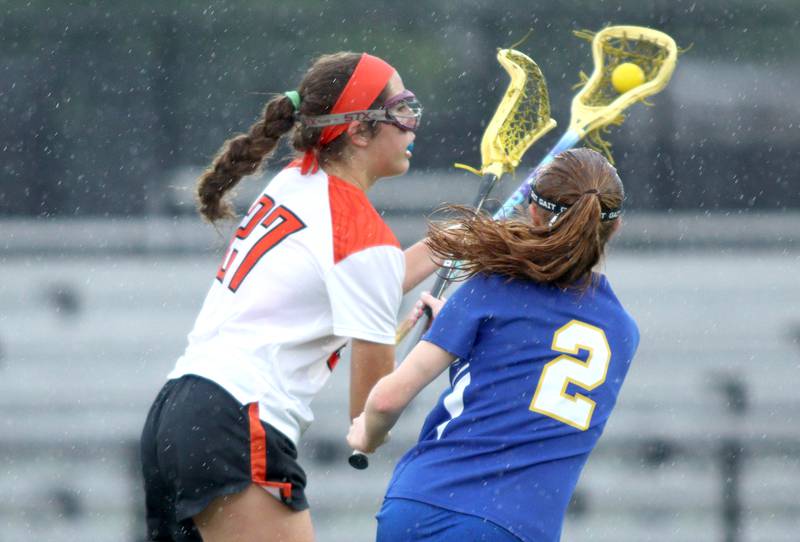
[705,438]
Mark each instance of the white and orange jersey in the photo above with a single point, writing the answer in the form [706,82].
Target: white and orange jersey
[311,265]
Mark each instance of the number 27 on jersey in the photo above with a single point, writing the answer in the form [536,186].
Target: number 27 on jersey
[271,224]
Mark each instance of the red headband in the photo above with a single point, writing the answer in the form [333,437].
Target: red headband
[365,85]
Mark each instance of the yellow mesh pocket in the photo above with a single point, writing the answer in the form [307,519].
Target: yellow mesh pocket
[599,104]
[522,117]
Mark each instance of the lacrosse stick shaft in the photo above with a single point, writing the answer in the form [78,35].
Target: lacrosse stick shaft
[442,280]
[488,182]
[520,196]
[515,200]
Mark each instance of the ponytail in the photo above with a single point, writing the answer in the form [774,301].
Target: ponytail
[242,155]
[582,236]
[563,249]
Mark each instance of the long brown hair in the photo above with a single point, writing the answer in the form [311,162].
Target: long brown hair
[243,154]
[561,251]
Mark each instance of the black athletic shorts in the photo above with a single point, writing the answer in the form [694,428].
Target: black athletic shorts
[199,443]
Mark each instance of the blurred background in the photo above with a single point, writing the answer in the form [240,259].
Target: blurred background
[109,110]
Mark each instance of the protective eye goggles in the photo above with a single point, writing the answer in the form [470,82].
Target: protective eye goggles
[402,110]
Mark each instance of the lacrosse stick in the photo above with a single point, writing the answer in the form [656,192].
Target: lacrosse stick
[598,104]
[522,117]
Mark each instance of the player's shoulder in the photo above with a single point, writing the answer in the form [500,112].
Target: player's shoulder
[356,224]
[602,290]
[614,306]
[494,286]
[501,284]
[290,179]
[305,194]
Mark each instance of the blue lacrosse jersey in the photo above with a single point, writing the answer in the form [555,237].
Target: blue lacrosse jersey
[538,373]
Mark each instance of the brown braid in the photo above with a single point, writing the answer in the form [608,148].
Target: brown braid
[242,155]
[564,253]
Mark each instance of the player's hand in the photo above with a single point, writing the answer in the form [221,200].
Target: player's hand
[358,439]
[434,303]
[426,299]
[357,436]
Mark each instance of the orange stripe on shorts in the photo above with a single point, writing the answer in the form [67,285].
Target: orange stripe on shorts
[258,455]
[258,447]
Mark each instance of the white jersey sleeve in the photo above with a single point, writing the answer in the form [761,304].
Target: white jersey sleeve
[365,293]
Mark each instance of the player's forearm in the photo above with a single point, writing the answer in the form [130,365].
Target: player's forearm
[382,410]
[368,364]
[420,264]
[393,393]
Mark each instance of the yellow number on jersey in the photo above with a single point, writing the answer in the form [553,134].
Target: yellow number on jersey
[551,398]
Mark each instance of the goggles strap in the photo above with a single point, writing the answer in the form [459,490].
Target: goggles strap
[365,85]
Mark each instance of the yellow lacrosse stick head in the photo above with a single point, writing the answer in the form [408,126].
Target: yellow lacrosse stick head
[599,103]
[522,117]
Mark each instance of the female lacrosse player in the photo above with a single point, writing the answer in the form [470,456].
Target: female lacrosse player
[537,346]
[310,266]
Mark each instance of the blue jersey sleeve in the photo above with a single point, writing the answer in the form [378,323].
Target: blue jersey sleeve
[456,327]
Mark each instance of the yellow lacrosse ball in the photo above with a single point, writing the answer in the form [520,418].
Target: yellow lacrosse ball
[627,76]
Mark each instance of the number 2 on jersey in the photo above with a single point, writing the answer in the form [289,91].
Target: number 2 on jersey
[551,398]
[280,223]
